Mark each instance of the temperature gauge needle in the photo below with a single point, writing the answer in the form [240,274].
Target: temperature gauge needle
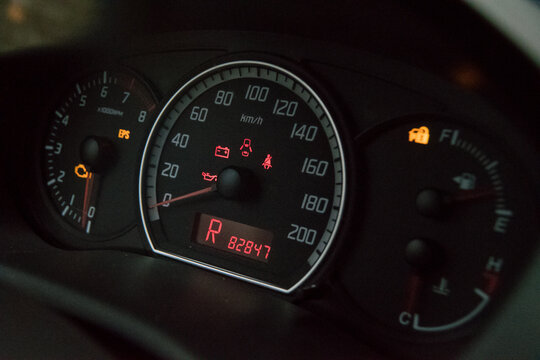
[186,196]
[414,286]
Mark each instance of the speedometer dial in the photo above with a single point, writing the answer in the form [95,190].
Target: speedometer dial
[243,174]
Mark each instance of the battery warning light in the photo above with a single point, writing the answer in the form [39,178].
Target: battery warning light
[222,152]
[419,135]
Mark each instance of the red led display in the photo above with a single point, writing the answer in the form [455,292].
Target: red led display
[233,237]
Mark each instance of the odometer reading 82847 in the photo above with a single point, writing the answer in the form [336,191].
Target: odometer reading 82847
[254,146]
[236,238]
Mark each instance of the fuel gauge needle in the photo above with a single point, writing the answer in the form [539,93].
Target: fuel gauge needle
[470,195]
[186,196]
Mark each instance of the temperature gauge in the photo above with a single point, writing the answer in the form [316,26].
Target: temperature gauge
[446,223]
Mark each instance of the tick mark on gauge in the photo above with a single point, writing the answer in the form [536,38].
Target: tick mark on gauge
[492,165]
[244,193]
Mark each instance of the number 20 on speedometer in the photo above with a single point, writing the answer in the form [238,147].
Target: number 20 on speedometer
[243,173]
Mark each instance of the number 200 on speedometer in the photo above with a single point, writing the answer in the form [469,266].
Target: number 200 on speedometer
[243,174]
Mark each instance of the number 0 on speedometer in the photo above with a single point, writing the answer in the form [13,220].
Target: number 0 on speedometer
[243,174]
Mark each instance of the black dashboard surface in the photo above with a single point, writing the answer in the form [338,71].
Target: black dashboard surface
[377,65]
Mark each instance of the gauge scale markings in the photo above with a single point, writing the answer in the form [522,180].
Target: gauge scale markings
[180,117]
[71,126]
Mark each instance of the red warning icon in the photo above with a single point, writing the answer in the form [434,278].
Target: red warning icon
[246,148]
[267,163]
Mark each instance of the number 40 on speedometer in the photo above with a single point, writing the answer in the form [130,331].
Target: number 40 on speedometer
[243,174]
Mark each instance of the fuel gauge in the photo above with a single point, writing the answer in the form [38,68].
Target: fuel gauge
[446,221]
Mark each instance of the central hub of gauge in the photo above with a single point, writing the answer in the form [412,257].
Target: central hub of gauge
[91,146]
[243,173]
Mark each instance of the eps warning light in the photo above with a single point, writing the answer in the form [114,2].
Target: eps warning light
[419,135]
[123,134]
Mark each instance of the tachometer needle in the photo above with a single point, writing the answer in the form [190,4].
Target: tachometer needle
[91,189]
[186,196]
[87,196]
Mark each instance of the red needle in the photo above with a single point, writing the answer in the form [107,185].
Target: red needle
[468,195]
[186,196]
[414,285]
[87,196]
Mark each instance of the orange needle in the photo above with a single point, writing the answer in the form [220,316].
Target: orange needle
[186,196]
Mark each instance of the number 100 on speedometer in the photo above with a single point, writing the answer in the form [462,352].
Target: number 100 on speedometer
[243,173]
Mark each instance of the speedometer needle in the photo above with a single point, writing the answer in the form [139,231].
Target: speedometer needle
[186,196]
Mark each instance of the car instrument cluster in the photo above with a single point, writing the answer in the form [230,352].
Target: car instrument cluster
[249,168]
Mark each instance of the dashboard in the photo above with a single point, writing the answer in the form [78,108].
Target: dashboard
[277,180]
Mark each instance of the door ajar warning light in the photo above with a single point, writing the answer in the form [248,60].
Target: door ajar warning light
[419,135]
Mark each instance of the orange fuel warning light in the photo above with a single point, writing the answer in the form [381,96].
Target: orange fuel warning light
[419,135]
[123,134]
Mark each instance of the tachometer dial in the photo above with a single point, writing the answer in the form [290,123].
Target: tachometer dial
[244,174]
[91,151]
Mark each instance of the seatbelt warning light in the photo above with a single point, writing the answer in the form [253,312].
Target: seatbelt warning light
[267,163]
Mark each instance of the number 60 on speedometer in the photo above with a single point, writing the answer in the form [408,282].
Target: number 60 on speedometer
[243,173]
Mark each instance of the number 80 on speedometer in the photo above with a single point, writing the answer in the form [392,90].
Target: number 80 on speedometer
[251,146]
